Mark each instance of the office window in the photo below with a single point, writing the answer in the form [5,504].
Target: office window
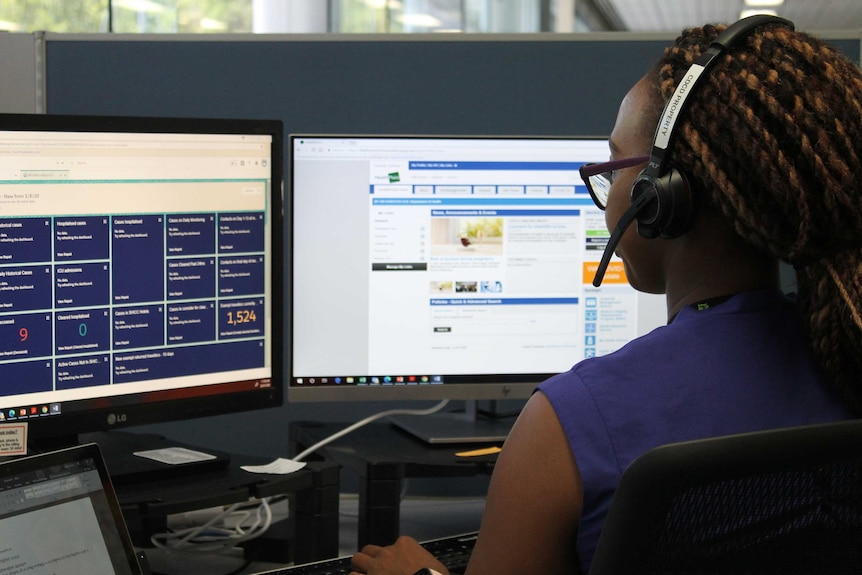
[279,16]
[382,16]
[182,16]
[53,15]
[423,16]
[127,16]
[358,16]
[402,16]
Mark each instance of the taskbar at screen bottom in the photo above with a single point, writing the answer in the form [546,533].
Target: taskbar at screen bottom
[31,411]
[393,380]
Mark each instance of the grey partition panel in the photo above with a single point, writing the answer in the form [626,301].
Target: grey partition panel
[22,89]
[520,85]
[479,87]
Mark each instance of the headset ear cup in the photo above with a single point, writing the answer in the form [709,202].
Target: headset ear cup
[671,213]
[678,208]
[646,218]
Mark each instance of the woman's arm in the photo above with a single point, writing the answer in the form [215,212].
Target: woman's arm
[534,500]
[531,512]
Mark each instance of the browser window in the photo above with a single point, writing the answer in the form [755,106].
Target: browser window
[435,255]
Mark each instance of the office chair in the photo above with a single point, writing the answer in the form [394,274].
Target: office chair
[785,501]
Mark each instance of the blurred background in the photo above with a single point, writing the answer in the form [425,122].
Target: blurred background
[408,16]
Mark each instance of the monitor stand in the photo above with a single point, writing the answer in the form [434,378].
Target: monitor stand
[124,467]
[471,426]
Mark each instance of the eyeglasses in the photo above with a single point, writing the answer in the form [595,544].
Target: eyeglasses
[599,177]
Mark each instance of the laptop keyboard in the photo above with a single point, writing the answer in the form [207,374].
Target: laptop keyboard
[453,552]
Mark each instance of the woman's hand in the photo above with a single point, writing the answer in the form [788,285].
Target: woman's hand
[404,557]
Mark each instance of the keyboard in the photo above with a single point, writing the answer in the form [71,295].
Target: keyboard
[453,552]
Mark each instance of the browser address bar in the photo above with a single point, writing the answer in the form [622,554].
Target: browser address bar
[134,145]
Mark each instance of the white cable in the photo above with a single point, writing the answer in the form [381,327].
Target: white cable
[366,421]
[208,539]
[212,539]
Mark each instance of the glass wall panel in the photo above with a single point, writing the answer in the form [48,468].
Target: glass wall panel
[127,16]
[359,16]
[54,15]
[355,16]
[423,16]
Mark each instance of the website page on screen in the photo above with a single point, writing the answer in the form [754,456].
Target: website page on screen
[418,258]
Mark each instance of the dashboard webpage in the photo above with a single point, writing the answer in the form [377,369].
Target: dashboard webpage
[416,260]
[130,263]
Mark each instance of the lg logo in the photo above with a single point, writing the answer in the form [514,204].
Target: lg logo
[114,418]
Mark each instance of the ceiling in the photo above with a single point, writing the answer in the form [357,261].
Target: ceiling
[674,15]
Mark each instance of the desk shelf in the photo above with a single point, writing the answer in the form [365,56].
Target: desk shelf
[312,493]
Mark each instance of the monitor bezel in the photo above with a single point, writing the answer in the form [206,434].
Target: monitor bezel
[123,411]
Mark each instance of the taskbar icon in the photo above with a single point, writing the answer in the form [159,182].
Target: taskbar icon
[29,412]
[368,380]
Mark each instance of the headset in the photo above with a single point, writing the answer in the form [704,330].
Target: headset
[662,198]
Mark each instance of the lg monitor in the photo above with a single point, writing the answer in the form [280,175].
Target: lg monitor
[140,271]
[448,267]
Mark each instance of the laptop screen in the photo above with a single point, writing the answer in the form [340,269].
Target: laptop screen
[59,514]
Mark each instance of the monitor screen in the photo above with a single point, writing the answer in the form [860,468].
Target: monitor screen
[426,267]
[140,270]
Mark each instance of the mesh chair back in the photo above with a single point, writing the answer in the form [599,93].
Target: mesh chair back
[782,501]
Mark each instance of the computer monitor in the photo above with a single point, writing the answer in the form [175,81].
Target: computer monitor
[140,271]
[448,267]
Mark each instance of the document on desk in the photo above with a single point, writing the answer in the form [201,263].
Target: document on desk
[280,466]
[175,455]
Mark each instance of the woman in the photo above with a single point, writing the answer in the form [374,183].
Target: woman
[772,145]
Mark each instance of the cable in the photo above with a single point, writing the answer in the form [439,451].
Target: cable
[366,421]
[207,538]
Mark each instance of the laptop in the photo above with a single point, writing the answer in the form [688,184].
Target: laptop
[59,514]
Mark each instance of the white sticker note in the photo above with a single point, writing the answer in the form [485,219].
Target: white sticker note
[13,439]
[280,466]
[175,455]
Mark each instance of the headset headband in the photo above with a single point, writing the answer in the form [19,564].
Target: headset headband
[679,101]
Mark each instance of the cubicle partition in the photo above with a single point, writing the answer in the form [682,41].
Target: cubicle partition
[426,84]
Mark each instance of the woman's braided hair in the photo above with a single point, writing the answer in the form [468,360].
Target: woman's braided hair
[773,138]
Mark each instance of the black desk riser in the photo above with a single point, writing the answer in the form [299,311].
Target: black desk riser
[150,496]
[383,455]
